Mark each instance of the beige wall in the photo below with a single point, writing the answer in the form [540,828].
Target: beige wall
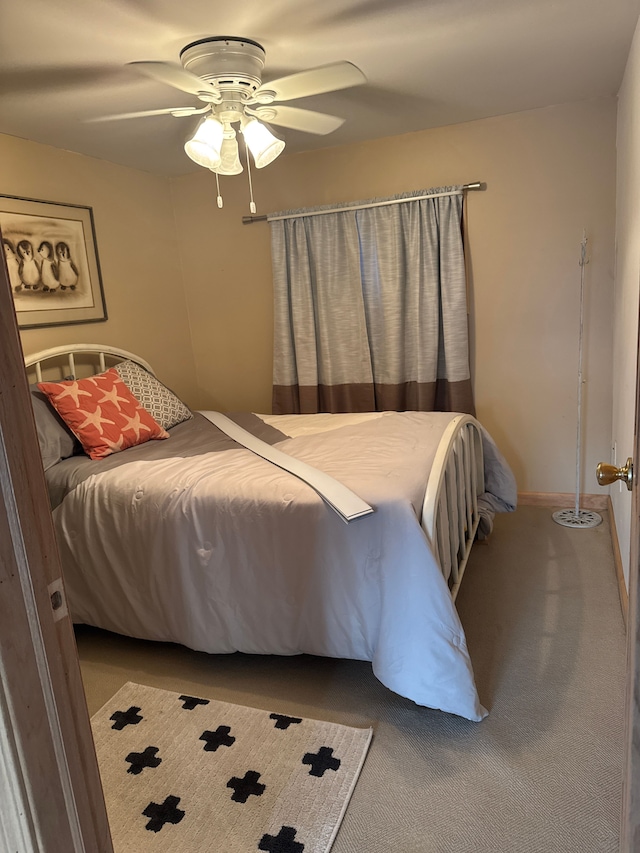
[549,173]
[625,341]
[137,248]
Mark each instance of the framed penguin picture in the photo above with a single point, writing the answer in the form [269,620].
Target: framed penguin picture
[52,259]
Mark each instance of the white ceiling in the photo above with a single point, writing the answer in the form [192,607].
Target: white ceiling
[428,63]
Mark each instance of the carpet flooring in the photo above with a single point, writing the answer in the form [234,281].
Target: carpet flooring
[542,774]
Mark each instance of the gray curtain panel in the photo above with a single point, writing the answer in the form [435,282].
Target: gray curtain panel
[371,308]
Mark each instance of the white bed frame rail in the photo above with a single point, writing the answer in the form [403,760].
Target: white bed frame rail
[99,355]
[450,514]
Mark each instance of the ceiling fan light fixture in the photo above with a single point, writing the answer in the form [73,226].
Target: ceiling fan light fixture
[264,146]
[225,72]
[204,147]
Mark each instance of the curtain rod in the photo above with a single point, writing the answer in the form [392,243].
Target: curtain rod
[249,220]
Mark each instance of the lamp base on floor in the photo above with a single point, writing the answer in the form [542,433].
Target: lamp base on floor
[583,518]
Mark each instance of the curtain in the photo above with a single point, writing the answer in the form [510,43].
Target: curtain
[370,308]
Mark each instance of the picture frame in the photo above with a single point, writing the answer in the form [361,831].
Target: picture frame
[52,259]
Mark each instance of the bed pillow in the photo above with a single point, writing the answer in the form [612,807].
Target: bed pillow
[102,413]
[56,440]
[163,405]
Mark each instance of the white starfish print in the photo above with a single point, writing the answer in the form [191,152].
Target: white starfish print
[72,390]
[135,424]
[112,397]
[115,446]
[95,419]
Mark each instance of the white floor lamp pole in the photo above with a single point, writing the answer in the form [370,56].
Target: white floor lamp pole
[577,517]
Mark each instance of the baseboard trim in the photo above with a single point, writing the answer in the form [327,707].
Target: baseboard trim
[563,499]
[617,561]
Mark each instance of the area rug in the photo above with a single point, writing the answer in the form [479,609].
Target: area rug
[182,774]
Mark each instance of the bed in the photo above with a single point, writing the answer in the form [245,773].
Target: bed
[199,541]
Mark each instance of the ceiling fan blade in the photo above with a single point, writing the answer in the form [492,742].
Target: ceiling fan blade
[179,78]
[315,81]
[174,111]
[308,121]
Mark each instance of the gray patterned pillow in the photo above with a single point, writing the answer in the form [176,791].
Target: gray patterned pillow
[156,398]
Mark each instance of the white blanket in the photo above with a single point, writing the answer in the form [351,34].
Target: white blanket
[225,552]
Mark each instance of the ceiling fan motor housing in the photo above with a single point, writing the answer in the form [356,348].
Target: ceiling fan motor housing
[231,64]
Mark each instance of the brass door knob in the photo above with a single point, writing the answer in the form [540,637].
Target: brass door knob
[607,474]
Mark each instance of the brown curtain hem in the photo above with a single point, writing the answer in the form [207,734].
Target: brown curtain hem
[439,396]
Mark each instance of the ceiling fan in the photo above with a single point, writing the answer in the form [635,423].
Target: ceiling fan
[225,74]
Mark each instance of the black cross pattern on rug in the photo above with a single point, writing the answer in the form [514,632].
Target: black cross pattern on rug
[220,737]
[140,760]
[161,813]
[190,702]
[126,718]
[245,787]
[321,760]
[283,722]
[283,842]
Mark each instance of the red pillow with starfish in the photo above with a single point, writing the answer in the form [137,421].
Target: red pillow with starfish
[103,413]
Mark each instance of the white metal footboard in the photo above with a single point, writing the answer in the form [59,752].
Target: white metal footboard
[450,512]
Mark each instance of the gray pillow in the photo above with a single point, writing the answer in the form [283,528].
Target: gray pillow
[161,403]
[56,440]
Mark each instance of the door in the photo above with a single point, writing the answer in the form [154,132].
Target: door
[51,800]
[631,792]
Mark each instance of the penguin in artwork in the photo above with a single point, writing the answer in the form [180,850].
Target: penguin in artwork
[29,272]
[67,270]
[13,265]
[48,270]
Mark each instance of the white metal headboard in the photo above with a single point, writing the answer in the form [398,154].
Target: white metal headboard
[101,352]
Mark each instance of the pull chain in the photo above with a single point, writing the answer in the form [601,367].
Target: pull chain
[252,204]
[219,199]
